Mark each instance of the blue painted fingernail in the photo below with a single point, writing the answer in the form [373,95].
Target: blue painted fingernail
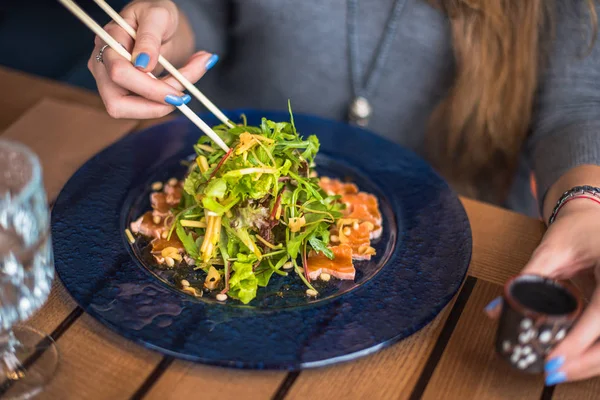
[212,61]
[493,304]
[556,378]
[186,98]
[554,364]
[142,60]
[173,100]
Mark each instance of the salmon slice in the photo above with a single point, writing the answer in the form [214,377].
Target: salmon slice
[364,207]
[336,187]
[173,194]
[341,266]
[145,225]
[159,204]
[159,245]
[363,216]
[358,240]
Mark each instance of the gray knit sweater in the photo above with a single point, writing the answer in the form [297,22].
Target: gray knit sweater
[272,50]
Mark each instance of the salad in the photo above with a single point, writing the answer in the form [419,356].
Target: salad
[258,210]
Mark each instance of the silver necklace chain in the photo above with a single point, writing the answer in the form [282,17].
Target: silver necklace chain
[360,109]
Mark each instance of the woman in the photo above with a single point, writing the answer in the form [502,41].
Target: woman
[488,91]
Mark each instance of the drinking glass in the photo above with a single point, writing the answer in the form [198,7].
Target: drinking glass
[28,358]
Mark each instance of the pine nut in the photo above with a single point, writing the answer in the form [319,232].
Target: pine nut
[325,277]
[156,186]
[311,293]
[288,265]
[221,297]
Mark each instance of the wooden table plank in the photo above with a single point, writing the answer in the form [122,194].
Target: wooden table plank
[96,363]
[65,136]
[20,92]
[586,390]
[185,380]
[389,374]
[469,368]
[502,241]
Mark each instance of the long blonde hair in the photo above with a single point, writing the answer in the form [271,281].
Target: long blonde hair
[477,131]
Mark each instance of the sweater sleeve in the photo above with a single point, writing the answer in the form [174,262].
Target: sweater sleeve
[209,20]
[566,122]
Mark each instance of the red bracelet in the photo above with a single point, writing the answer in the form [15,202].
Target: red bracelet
[580,196]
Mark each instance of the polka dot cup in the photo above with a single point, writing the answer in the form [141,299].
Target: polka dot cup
[536,315]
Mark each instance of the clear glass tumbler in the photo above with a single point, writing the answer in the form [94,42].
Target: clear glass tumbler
[28,358]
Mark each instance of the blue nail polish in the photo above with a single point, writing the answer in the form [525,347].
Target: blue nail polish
[493,304]
[142,60]
[212,61]
[556,378]
[186,98]
[554,364]
[173,100]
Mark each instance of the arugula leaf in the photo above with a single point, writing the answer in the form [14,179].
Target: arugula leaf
[319,246]
[187,240]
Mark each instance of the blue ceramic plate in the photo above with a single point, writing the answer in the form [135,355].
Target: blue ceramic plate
[422,256]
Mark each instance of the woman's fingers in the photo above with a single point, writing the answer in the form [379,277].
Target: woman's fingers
[195,68]
[119,103]
[494,308]
[587,365]
[124,74]
[155,26]
[578,346]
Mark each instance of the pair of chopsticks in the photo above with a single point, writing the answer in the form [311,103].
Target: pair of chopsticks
[109,40]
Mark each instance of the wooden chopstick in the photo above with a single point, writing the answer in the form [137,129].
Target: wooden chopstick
[166,64]
[98,30]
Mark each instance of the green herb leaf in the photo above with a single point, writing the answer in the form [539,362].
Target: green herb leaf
[319,246]
[243,283]
[188,241]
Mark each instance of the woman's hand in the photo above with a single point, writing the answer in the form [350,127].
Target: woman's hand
[125,87]
[571,247]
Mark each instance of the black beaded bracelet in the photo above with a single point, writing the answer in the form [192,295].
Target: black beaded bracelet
[577,191]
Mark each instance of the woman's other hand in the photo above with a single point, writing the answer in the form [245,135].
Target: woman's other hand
[570,249]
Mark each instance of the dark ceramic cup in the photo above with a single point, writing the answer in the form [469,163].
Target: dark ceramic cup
[536,315]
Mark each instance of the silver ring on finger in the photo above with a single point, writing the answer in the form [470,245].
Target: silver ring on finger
[100,54]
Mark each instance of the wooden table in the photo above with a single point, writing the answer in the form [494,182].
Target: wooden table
[451,358]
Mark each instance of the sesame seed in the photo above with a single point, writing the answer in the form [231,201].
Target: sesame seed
[311,293]
[185,283]
[170,262]
[156,186]
[172,182]
[221,297]
[355,225]
[334,238]
[164,235]
[347,231]
[156,219]
[325,277]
